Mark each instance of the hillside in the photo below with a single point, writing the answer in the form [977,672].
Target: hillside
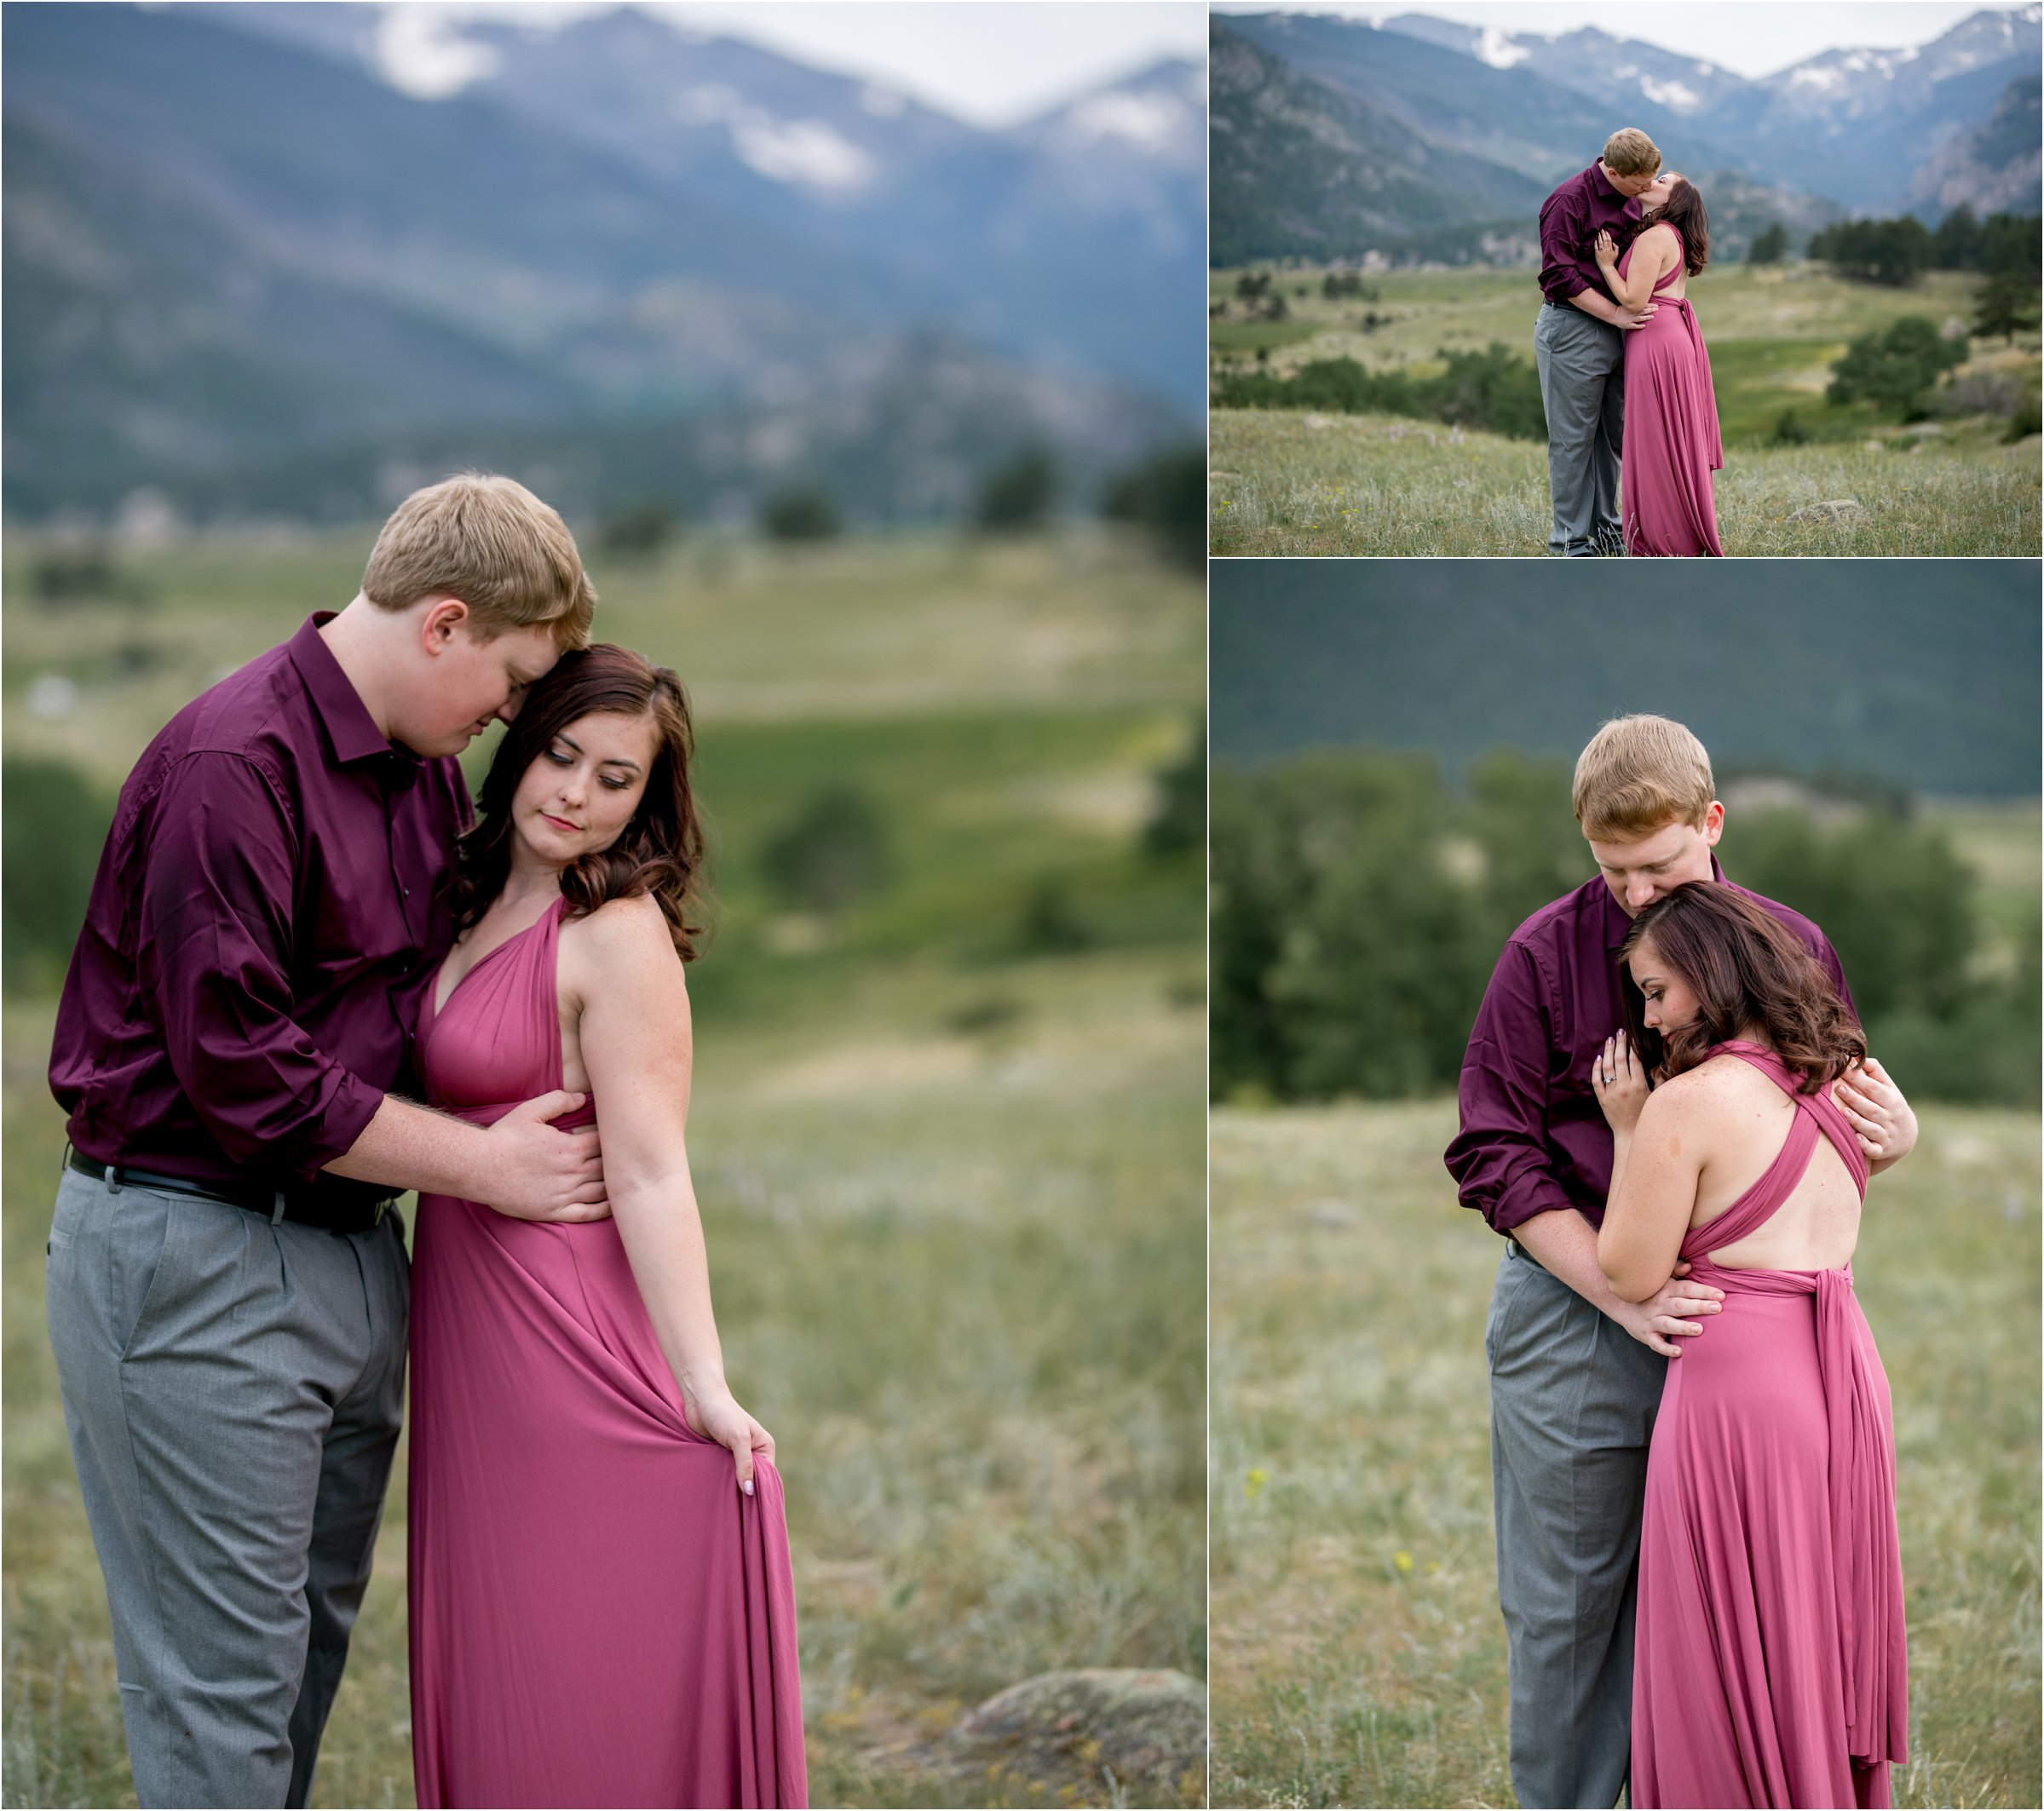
[1934,688]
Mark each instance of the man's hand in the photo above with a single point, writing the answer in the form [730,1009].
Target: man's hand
[1629,319]
[1874,1108]
[1673,1311]
[542,1173]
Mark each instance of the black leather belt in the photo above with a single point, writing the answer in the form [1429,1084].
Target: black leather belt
[350,1209]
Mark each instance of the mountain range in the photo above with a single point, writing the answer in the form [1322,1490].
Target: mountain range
[1457,124]
[242,263]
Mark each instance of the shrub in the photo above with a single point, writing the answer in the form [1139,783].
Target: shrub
[1788,429]
[800,512]
[1894,368]
[637,531]
[831,852]
[1017,497]
[1166,494]
[1179,821]
[1493,389]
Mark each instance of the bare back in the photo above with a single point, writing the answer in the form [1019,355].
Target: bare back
[1744,1119]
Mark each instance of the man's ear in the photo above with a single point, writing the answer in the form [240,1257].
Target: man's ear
[444,616]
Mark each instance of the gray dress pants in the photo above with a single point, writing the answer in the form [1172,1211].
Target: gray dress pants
[1582,367]
[233,1388]
[1572,1402]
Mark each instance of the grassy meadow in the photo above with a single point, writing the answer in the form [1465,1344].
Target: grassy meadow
[1292,482]
[949,1143]
[1359,1653]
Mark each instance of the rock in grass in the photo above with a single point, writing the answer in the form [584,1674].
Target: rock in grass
[1836,509]
[1065,1732]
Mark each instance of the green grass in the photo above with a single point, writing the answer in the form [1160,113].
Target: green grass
[1253,336]
[1374,484]
[1359,1655]
[1289,483]
[952,1186]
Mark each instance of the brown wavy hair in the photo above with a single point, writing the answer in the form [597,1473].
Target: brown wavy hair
[660,851]
[1750,975]
[1684,212]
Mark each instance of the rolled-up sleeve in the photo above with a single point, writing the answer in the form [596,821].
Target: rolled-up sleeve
[214,958]
[1562,231]
[1499,1158]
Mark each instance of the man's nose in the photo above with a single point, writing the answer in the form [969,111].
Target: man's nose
[1639,894]
[509,709]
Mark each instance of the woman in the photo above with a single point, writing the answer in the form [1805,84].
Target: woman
[1771,1662]
[1670,444]
[602,1610]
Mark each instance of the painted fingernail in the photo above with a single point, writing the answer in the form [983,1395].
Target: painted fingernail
[746,1487]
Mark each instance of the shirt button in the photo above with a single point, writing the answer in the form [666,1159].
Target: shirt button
[406,891]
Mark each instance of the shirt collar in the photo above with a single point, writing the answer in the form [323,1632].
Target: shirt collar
[351,732]
[1616,923]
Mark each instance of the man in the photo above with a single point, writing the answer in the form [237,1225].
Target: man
[226,1287]
[1579,343]
[1576,1372]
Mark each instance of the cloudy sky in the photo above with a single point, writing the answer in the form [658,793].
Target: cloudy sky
[1750,37]
[994,62]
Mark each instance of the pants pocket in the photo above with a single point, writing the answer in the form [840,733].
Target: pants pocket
[141,1253]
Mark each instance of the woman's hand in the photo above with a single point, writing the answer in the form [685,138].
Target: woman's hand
[1605,251]
[1620,1082]
[715,1413]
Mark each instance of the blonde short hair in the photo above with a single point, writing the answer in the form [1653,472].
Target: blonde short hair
[1630,153]
[491,543]
[1639,774]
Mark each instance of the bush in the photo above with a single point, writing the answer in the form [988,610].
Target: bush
[54,829]
[1166,494]
[639,530]
[832,851]
[1788,429]
[800,512]
[1770,244]
[1179,820]
[1894,368]
[1050,924]
[2026,422]
[1493,390]
[1017,497]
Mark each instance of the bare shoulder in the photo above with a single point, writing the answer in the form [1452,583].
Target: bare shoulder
[1698,1094]
[624,939]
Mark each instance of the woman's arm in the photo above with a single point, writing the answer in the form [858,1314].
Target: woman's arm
[637,1046]
[1653,1184]
[1654,1174]
[1650,263]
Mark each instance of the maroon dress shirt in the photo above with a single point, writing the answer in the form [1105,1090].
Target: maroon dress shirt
[263,920]
[1570,219]
[1533,1136]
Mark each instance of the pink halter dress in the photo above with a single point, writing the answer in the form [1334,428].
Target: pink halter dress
[1771,1665]
[599,1616]
[1671,443]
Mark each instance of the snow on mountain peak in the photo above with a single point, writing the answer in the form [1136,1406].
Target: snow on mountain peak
[423,54]
[1676,94]
[1147,121]
[1498,48]
[807,152]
